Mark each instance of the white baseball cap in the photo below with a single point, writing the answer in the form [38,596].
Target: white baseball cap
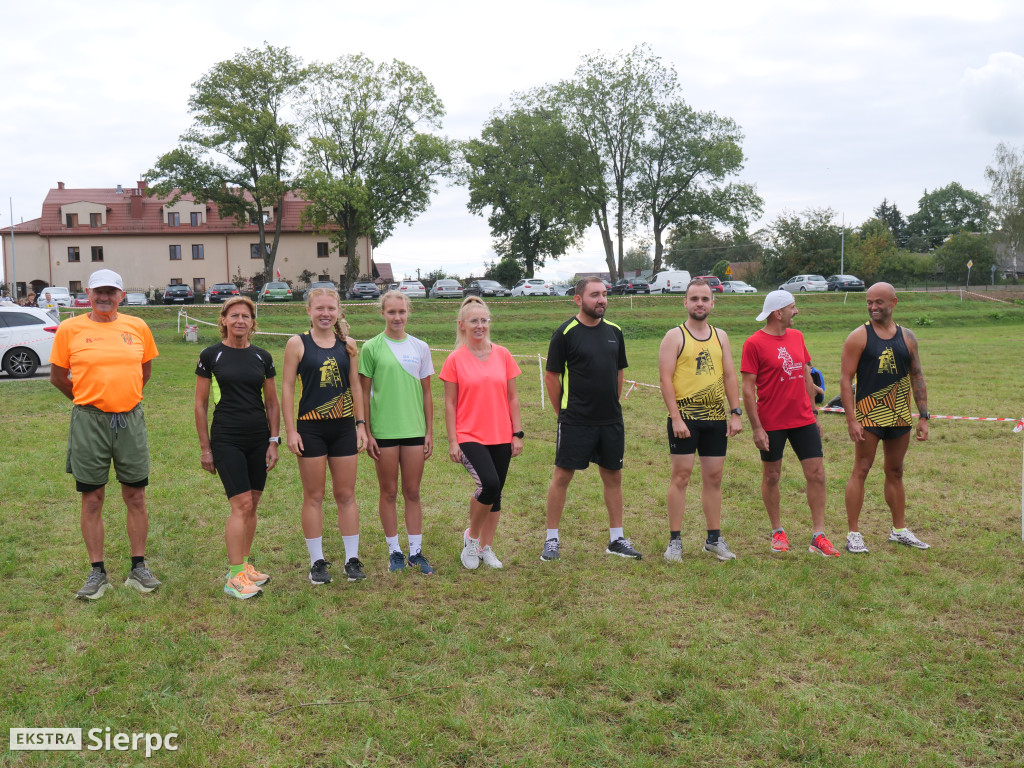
[105,278]
[775,300]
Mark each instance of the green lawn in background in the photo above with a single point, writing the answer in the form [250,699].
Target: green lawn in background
[898,658]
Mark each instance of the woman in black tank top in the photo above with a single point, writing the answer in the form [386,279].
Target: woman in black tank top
[329,429]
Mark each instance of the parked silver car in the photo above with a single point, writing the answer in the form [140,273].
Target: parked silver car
[737,286]
[805,283]
[446,289]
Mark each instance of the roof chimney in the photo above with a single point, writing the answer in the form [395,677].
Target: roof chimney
[60,185]
[142,185]
[120,189]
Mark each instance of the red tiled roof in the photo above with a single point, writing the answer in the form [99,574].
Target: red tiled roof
[153,220]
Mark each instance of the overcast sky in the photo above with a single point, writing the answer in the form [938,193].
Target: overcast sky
[840,107]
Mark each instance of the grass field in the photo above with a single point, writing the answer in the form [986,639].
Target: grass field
[898,658]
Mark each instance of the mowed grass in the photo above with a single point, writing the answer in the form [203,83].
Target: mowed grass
[898,658]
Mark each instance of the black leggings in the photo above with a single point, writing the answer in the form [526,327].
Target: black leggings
[488,466]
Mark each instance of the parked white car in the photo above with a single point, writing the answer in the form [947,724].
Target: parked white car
[737,286]
[26,338]
[670,281]
[533,286]
[413,289]
[805,283]
[60,295]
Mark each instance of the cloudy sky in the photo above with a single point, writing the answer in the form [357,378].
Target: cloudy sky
[840,107]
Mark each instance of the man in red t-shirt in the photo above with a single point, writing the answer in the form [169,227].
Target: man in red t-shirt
[777,365]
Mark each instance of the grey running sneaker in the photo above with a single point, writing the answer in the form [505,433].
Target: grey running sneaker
[719,549]
[141,578]
[419,561]
[396,562]
[489,558]
[907,537]
[550,550]
[855,543]
[622,547]
[318,573]
[674,553]
[354,569]
[95,586]
[470,552]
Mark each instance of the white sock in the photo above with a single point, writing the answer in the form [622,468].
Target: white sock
[615,534]
[316,549]
[552,533]
[393,545]
[351,546]
[415,543]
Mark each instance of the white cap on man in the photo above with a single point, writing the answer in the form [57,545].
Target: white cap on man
[773,301]
[105,278]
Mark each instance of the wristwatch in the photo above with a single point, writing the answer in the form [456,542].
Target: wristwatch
[520,434]
[276,440]
[924,415]
[736,411]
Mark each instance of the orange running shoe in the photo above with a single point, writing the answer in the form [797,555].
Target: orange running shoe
[257,578]
[823,546]
[780,542]
[241,587]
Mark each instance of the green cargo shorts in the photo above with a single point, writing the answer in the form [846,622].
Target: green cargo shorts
[96,438]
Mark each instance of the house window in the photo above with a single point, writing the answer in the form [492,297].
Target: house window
[95,220]
[197,252]
[198,285]
[175,281]
[173,219]
[197,218]
[253,217]
[75,286]
[254,250]
[175,252]
[71,219]
[325,278]
[323,250]
[73,253]
[97,253]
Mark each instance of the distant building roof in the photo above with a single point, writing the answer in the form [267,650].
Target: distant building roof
[130,210]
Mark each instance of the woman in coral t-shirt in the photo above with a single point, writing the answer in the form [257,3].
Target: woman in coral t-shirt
[481,409]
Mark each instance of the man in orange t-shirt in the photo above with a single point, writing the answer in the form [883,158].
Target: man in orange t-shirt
[101,361]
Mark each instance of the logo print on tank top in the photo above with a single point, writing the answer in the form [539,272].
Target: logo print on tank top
[330,375]
[887,361]
[705,365]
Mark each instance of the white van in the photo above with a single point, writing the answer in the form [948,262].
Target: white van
[671,281]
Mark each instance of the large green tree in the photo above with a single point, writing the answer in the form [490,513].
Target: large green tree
[371,159]
[525,171]
[894,219]
[961,248]
[944,212]
[609,104]
[1006,175]
[694,246]
[239,151]
[802,243]
[683,162]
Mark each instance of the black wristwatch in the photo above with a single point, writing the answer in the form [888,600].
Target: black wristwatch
[736,411]
[924,415]
[520,434]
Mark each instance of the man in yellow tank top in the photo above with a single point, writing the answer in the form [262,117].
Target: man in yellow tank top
[697,377]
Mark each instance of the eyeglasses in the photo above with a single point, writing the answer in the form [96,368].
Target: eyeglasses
[479,321]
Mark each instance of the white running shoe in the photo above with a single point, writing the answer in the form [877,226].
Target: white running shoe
[674,553]
[907,537]
[470,552]
[855,543]
[489,558]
